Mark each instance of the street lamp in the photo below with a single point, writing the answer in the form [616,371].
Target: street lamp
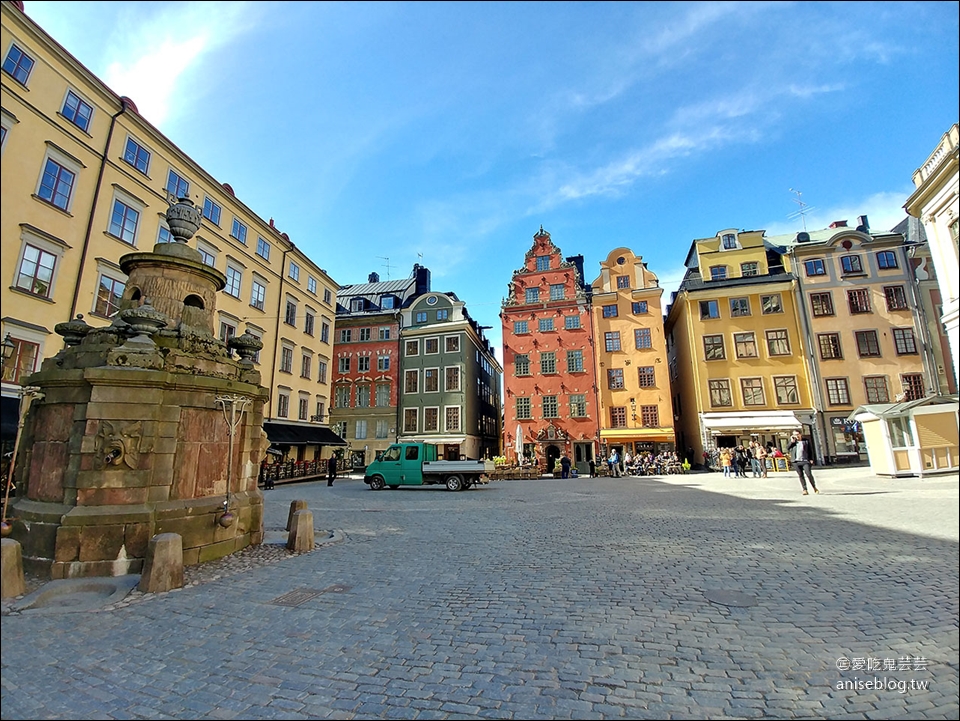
[633,408]
[8,349]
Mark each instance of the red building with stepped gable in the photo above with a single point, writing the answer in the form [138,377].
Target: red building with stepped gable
[550,390]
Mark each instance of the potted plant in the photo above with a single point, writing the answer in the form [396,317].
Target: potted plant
[557,470]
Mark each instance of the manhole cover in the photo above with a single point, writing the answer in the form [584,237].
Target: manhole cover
[295,598]
[730,598]
[338,588]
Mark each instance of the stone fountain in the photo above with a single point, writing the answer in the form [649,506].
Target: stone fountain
[149,425]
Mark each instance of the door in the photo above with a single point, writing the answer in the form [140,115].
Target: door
[582,454]
[390,465]
[553,455]
[411,466]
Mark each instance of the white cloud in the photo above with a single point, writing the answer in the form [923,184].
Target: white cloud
[884,210]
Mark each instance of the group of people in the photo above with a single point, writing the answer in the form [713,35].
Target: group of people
[643,464]
[734,461]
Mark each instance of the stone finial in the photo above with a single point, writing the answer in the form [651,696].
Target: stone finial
[73,331]
[183,217]
[144,321]
[246,346]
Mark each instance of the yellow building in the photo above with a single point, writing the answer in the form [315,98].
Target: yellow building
[633,387]
[85,180]
[862,311]
[735,347]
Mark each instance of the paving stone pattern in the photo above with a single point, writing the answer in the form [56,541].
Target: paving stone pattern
[566,599]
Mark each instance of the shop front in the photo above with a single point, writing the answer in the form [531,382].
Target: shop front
[769,428]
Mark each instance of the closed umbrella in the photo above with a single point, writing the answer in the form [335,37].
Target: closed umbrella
[518,446]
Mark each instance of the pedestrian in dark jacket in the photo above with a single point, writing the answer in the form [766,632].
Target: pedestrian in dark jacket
[331,470]
[801,454]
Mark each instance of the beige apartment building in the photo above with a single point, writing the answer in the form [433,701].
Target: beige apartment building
[85,180]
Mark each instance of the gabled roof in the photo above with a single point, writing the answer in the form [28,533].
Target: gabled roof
[888,410]
[390,287]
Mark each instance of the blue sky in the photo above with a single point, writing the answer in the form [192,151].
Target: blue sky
[454,130]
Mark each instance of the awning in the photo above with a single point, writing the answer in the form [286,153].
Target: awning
[761,420]
[644,434]
[291,434]
[9,417]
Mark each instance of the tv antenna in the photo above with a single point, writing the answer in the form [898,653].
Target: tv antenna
[802,211]
[387,264]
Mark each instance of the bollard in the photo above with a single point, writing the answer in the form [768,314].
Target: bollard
[301,538]
[294,507]
[11,569]
[163,566]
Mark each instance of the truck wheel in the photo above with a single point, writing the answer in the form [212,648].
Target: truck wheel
[376,483]
[454,483]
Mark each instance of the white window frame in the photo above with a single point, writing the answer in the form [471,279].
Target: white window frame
[435,429]
[238,230]
[459,387]
[135,141]
[446,427]
[28,237]
[293,271]
[69,163]
[446,341]
[233,273]
[114,274]
[258,281]
[85,101]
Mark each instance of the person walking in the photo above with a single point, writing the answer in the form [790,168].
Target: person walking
[801,453]
[331,470]
[565,467]
[760,454]
[615,463]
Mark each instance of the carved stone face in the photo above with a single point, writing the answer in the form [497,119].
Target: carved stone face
[118,443]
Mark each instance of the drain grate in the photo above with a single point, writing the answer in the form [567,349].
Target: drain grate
[296,597]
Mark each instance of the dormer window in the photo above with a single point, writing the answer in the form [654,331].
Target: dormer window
[356,304]
[718,272]
[387,302]
[729,241]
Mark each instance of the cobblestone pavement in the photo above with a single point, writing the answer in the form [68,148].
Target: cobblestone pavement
[568,599]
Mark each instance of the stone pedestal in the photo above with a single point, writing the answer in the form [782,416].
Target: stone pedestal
[301,538]
[294,507]
[11,569]
[163,566]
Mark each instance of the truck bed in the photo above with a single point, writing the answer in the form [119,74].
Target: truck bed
[468,468]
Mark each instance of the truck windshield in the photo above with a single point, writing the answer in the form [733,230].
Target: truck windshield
[392,454]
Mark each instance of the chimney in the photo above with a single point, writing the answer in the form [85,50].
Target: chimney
[863,225]
[373,278]
[838,224]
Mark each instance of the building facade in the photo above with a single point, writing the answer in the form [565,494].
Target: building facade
[367,362]
[550,405]
[635,408]
[450,379]
[936,202]
[86,180]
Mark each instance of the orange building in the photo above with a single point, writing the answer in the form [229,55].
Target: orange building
[550,405]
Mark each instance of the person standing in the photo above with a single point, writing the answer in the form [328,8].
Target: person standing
[615,463]
[726,461]
[331,470]
[565,467]
[761,456]
[801,453]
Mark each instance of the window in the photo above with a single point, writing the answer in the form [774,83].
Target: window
[713,347]
[443,314]
[363,364]
[829,346]
[212,211]
[904,341]
[234,279]
[519,327]
[382,395]
[293,271]
[346,335]
[611,341]
[876,389]
[896,297]
[343,365]
[303,409]
[320,412]
[610,311]
[643,338]
[649,416]
[815,267]
[556,291]
[328,296]
[851,264]
[886,259]
[623,281]
[748,269]
[431,420]
[770,304]
[786,389]
[290,313]
[22,363]
[321,371]
[18,64]
[363,334]
[574,361]
[524,412]
[356,304]
[123,222]
[718,272]
[638,307]
[543,262]
[383,363]
[729,241]
[548,362]
[571,322]
[614,378]
[745,345]
[388,302]
[912,386]
[868,343]
[578,405]
[305,363]
[752,389]
[838,392]
[720,395]
[164,235]
[228,329]
[859,300]
[361,430]
[36,271]
[77,111]
[452,419]
[240,233]
[900,431]
[410,420]
[618,417]
[56,185]
[709,309]
[363,396]
[177,184]
[550,409]
[521,365]
[532,295]
[431,346]
[647,377]
[137,156]
[286,359]
[263,248]
[384,334]
[109,293]
[283,405]
[431,380]
[451,344]
[822,304]
[778,342]
[739,307]
[325,332]
[411,381]
[412,348]
[309,321]
[421,317]
[545,325]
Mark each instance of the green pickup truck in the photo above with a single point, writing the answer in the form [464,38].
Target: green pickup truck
[416,464]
